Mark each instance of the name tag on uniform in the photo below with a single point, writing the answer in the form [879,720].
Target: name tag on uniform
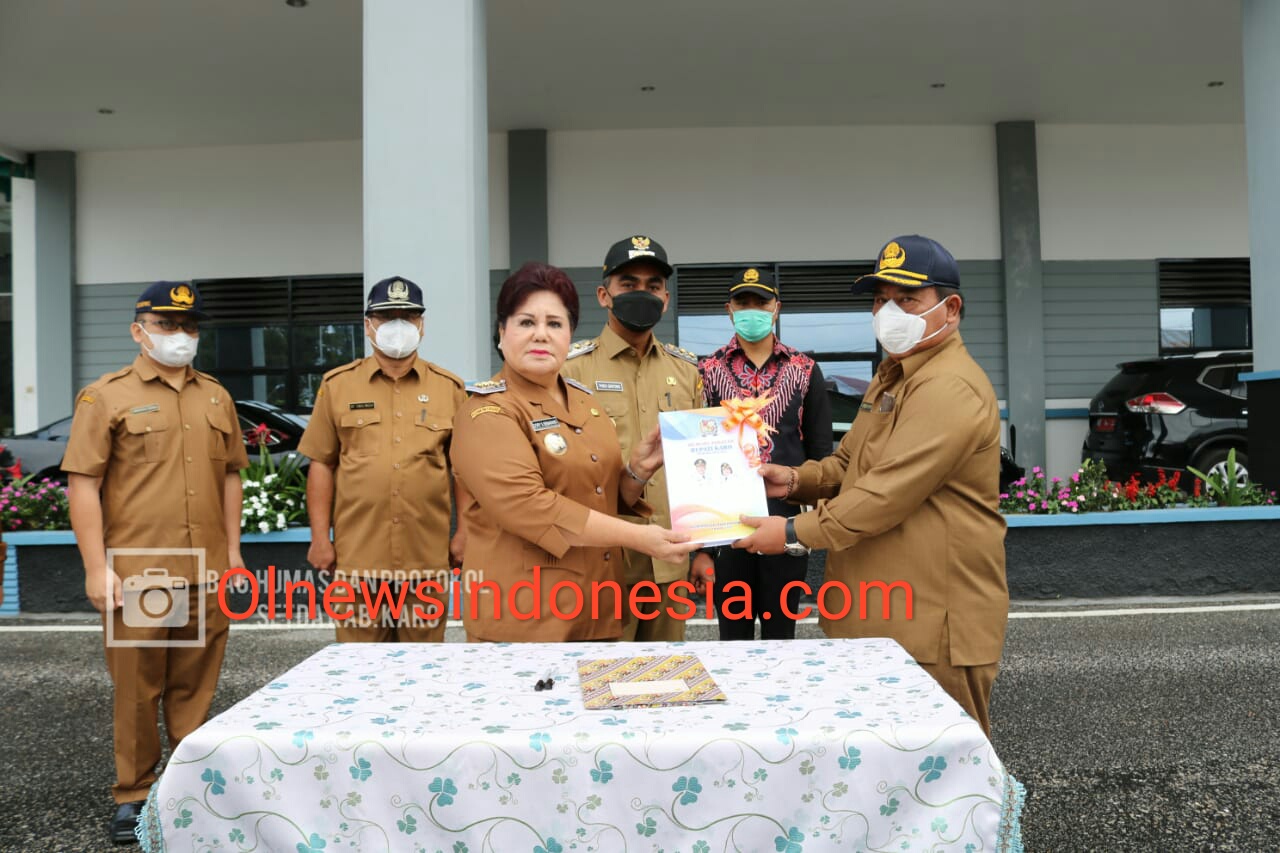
[368,405]
[608,386]
[545,424]
[865,407]
[142,410]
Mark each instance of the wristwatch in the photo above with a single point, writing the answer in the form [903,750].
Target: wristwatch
[793,548]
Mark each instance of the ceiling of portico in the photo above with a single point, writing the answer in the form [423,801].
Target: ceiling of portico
[200,72]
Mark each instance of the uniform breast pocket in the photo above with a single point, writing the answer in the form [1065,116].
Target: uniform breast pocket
[219,433]
[872,431]
[615,406]
[360,433]
[148,436]
[431,434]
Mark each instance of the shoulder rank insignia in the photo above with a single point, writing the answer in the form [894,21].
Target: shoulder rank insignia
[576,384]
[580,348]
[680,353]
[489,386]
[343,368]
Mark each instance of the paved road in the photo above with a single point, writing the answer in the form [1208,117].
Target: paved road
[1132,731]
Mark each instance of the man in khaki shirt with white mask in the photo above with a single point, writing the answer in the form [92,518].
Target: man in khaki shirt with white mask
[379,441]
[909,502]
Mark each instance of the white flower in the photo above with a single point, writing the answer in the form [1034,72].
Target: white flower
[281,524]
[263,526]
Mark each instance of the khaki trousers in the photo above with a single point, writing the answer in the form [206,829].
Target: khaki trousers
[968,685]
[184,679]
[364,626]
[664,628]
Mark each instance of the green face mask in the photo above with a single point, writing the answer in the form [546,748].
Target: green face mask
[752,324]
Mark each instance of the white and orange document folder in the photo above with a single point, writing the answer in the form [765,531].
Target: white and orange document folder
[712,457]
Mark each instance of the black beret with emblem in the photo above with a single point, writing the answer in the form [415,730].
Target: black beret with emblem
[171,297]
[395,292]
[637,248]
[912,261]
[755,280]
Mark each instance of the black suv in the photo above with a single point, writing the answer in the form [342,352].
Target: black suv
[1172,412]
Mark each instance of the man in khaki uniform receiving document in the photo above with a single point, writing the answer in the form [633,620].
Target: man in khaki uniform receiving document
[379,439]
[635,376]
[909,502]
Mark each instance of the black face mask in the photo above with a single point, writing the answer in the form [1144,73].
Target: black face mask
[637,310]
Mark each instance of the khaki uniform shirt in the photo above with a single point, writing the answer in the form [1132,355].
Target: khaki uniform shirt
[633,389]
[388,442]
[912,494]
[535,468]
[163,456]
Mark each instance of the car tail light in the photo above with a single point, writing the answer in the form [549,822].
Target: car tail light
[1156,404]
[1104,424]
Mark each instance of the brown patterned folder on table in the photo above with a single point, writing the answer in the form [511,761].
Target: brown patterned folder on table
[620,682]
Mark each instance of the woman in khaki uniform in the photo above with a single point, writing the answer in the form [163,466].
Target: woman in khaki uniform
[542,466]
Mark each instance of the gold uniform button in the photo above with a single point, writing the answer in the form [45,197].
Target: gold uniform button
[595,413]
[191,491]
[395,493]
[594,458]
[148,429]
[359,421]
[397,390]
[397,439]
[578,430]
[395,520]
[399,415]
[599,491]
[396,466]
[188,458]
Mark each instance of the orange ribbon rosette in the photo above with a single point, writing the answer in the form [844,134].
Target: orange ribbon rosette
[745,412]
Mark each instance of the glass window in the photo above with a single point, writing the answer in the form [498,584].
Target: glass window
[1210,327]
[1175,328]
[703,334]
[847,381]
[240,347]
[327,346]
[272,388]
[844,331]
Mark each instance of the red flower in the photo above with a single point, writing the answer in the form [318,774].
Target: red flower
[1196,491]
[1173,482]
[1130,488]
[1162,479]
[258,436]
[1151,490]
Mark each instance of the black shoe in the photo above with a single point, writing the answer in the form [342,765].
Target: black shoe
[123,823]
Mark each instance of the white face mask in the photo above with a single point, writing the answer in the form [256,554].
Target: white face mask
[397,338]
[897,331]
[176,350]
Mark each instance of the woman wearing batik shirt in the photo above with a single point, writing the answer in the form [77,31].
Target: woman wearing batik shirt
[756,364]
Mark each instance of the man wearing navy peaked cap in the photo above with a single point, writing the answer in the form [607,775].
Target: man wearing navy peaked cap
[909,502]
[153,462]
[380,478]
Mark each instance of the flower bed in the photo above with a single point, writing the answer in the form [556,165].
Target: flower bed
[1089,489]
[28,505]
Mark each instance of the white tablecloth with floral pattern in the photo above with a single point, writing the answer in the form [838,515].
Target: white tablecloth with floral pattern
[822,744]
